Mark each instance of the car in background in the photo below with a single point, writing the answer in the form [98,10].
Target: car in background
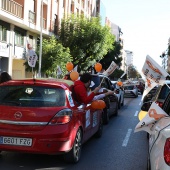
[141,87]
[150,95]
[40,116]
[159,139]
[130,90]
[111,100]
[119,91]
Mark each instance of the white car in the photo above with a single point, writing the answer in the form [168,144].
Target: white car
[131,90]
[159,140]
[119,91]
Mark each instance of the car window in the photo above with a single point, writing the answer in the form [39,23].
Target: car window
[164,92]
[32,96]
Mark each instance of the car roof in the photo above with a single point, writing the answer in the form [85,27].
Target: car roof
[40,81]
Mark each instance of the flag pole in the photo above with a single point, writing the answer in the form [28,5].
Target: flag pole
[40,52]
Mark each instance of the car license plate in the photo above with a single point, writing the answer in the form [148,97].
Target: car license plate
[127,91]
[15,141]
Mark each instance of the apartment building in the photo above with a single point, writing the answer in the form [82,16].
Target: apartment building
[21,23]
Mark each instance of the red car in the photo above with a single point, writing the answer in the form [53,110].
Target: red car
[40,116]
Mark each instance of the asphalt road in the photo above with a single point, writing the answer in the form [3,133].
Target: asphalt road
[119,148]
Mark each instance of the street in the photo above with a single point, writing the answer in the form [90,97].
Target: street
[119,148]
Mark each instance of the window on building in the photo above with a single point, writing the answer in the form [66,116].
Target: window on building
[19,39]
[31,40]
[3,33]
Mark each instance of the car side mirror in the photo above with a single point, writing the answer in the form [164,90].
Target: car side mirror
[146,106]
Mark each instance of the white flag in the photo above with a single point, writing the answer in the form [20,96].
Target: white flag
[154,114]
[75,68]
[154,74]
[59,72]
[32,56]
[111,69]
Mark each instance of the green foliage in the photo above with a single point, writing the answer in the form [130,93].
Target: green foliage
[87,40]
[113,55]
[53,54]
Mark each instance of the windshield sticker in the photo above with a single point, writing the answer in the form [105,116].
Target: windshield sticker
[87,118]
[69,98]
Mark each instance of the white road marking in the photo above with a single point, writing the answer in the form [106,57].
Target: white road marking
[125,142]
[136,113]
[140,103]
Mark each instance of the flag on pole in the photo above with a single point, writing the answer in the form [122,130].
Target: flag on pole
[32,56]
[59,71]
[122,75]
[111,69]
[154,73]
[75,68]
[154,114]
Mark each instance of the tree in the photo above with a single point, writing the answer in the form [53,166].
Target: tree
[132,72]
[53,54]
[87,40]
[112,55]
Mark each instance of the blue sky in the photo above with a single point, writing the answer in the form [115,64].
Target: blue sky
[145,25]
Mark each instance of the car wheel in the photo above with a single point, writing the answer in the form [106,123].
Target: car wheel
[105,116]
[119,104]
[122,104]
[116,111]
[100,129]
[148,164]
[73,156]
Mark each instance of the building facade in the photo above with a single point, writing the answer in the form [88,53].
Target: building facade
[21,23]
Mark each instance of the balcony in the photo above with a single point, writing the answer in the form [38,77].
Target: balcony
[32,17]
[12,7]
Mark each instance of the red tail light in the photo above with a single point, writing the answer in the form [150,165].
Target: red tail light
[159,104]
[167,152]
[62,117]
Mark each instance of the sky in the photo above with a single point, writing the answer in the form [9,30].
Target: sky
[145,25]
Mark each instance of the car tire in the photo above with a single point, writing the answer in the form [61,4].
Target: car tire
[73,156]
[119,104]
[116,111]
[122,104]
[105,116]
[100,129]
[148,164]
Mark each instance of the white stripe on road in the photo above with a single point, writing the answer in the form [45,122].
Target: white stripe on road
[140,103]
[125,142]
[136,113]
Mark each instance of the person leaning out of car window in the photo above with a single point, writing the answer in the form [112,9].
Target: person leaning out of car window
[80,92]
[4,77]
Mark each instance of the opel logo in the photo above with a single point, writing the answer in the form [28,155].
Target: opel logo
[18,115]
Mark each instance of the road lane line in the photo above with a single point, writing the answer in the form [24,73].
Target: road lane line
[136,113]
[125,142]
[140,103]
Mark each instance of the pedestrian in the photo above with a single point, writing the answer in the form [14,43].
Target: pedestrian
[4,77]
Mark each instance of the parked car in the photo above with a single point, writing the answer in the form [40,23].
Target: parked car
[111,100]
[119,91]
[130,90]
[40,116]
